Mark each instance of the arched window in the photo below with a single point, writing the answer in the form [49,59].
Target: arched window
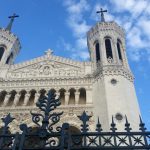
[119,49]
[31,98]
[108,48]
[72,97]
[2,97]
[62,96]
[2,49]
[97,52]
[82,96]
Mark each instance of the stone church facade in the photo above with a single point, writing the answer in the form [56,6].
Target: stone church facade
[103,86]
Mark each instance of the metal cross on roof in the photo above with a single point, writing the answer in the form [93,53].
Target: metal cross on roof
[102,14]
[9,26]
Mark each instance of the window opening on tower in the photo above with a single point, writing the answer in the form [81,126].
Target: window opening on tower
[108,48]
[97,52]
[119,50]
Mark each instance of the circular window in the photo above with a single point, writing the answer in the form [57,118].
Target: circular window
[119,116]
[113,81]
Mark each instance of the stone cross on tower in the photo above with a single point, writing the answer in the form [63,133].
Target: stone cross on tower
[9,26]
[102,14]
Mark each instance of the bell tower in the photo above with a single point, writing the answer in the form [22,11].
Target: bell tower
[9,44]
[113,87]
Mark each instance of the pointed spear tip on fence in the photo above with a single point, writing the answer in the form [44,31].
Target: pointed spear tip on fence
[126,119]
[142,124]
[98,126]
[113,120]
[140,119]
[98,122]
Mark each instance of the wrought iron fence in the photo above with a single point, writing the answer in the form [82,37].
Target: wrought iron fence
[49,136]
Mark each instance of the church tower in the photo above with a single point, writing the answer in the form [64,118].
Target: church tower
[113,87]
[9,44]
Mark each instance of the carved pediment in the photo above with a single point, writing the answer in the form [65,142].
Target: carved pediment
[46,68]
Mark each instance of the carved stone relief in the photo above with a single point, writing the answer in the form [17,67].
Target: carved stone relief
[46,69]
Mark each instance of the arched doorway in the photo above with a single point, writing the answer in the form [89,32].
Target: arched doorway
[75,134]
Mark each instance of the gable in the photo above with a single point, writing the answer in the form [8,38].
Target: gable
[48,68]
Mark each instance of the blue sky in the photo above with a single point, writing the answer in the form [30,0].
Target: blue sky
[61,25]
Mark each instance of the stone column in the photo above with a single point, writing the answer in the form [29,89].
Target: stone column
[36,98]
[6,100]
[16,99]
[88,97]
[26,99]
[114,50]
[103,51]
[77,94]
[67,94]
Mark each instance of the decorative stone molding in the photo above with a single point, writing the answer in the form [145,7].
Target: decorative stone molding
[113,70]
[104,28]
[45,83]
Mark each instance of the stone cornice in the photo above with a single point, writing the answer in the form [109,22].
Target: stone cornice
[27,109]
[46,83]
[88,76]
[113,70]
[100,28]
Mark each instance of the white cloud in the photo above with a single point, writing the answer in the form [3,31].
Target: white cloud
[135,55]
[134,7]
[79,29]
[139,7]
[81,43]
[134,38]
[77,8]
[84,55]
[78,26]
[75,17]
[133,15]
[144,24]
[66,46]
[127,26]
[123,5]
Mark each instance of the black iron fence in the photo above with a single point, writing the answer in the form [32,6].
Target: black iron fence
[48,136]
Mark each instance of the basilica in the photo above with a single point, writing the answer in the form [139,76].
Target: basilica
[103,86]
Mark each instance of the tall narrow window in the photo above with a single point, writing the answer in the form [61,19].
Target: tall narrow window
[97,52]
[119,50]
[1,52]
[108,48]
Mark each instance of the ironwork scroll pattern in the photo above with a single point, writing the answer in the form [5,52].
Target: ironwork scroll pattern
[45,137]
[49,118]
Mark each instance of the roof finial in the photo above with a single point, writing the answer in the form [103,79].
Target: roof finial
[9,26]
[102,14]
[49,52]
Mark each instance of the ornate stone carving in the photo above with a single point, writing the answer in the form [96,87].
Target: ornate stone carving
[46,69]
